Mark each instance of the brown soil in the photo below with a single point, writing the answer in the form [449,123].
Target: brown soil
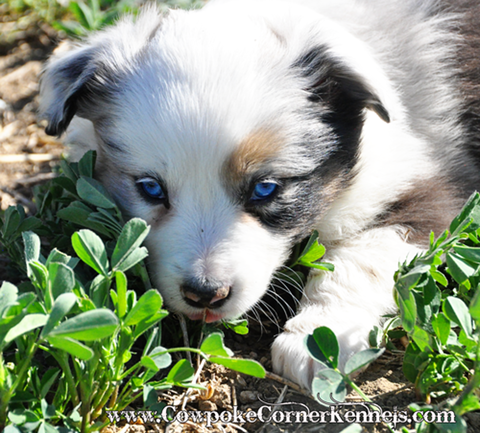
[22,51]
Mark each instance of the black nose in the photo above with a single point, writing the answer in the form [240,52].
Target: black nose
[205,294]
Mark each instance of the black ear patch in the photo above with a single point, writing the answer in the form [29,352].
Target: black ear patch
[337,86]
[74,83]
[338,97]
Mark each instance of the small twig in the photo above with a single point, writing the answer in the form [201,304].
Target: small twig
[125,428]
[20,199]
[235,426]
[293,385]
[28,157]
[234,396]
[279,401]
[282,395]
[194,381]
[183,326]
[41,177]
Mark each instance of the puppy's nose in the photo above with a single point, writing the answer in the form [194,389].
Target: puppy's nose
[205,294]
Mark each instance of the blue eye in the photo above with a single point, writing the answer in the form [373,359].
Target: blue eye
[263,190]
[151,188]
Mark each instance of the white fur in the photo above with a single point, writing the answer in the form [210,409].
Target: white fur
[198,83]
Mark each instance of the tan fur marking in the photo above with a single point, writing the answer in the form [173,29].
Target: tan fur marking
[254,150]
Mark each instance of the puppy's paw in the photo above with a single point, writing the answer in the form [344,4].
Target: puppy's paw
[291,360]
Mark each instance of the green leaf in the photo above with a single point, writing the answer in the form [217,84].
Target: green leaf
[89,326]
[94,193]
[439,277]
[312,240]
[48,380]
[91,250]
[8,295]
[239,326]
[375,337]
[459,268]
[133,234]
[57,256]
[314,351]
[63,304]
[148,305]
[38,273]
[69,170]
[12,220]
[132,259]
[71,346]
[27,324]
[29,224]
[121,282]
[322,266]
[79,213]
[422,339]
[470,253]
[105,218]
[327,343]
[66,184]
[32,246]
[412,359]
[474,307]
[329,387]
[469,403]
[182,371]
[469,218]
[456,310]
[98,289]
[362,359]
[411,278]
[441,327]
[86,164]
[315,253]
[408,311]
[157,359]
[213,345]
[61,278]
[47,411]
[246,366]
[148,322]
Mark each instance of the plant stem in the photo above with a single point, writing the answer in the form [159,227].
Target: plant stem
[472,385]
[175,349]
[22,372]
[142,271]
[361,394]
[62,359]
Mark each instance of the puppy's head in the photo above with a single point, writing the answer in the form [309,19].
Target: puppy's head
[229,131]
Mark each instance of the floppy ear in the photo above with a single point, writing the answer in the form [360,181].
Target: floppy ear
[339,87]
[73,82]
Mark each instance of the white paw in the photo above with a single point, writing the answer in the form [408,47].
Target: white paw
[291,360]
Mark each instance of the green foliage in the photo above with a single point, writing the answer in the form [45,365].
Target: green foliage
[78,18]
[439,300]
[438,296]
[330,384]
[77,310]
[92,15]
[311,255]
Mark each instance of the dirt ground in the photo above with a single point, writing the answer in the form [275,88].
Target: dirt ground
[27,156]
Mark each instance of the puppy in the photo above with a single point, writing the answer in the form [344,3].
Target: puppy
[237,129]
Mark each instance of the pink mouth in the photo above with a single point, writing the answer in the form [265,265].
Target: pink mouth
[209,316]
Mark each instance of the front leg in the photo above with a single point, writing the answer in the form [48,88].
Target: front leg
[351,301]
